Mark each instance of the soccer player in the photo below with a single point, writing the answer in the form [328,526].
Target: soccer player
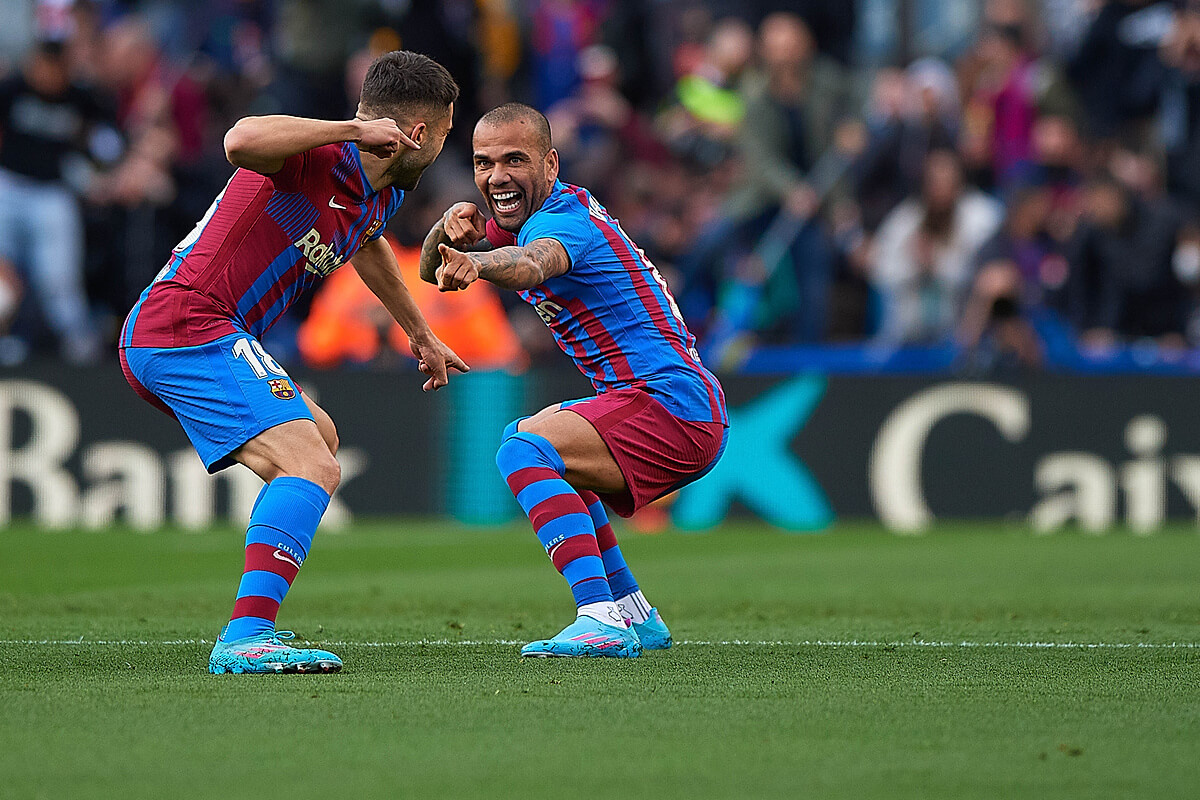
[658,420]
[308,195]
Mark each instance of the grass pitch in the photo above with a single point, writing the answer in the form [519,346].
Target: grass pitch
[850,664]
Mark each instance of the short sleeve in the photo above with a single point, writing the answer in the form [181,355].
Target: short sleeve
[574,231]
[291,176]
[287,179]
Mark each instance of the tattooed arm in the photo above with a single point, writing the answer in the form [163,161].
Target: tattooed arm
[462,226]
[507,267]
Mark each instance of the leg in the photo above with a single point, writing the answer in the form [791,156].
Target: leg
[56,272]
[646,621]
[535,472]
[300,474]
[236,410]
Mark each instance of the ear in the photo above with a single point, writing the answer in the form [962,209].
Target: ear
[417,134]
[552,165]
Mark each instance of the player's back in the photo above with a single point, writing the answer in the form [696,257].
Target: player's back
[612,312]
[264,241]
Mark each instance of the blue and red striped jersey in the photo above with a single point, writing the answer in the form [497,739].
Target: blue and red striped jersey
[265,240]
[612,312]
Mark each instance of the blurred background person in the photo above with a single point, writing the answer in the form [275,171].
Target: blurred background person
[924,254]
[53,132]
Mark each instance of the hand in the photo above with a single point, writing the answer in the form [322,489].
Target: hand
[435,359]
[457,271]
[382,138]
[464,224]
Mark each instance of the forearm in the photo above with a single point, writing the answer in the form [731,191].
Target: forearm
[509,268]
[431,259]
[262,144]
[393,293]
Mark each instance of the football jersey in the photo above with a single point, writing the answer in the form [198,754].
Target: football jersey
[612,312]
[265,240]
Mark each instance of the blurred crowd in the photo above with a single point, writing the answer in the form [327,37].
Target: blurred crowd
[1011,180]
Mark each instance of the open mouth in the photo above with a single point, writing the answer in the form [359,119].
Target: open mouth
[506,202]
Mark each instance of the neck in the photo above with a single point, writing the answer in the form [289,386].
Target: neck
[375,169]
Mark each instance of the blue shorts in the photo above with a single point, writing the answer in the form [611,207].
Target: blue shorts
[224,393]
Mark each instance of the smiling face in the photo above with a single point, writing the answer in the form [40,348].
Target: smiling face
[514,170]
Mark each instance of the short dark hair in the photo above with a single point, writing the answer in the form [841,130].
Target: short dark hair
[407,81]
[519,112]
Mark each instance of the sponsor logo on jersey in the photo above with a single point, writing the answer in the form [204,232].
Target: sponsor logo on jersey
[322,258]
[282,388]
[548,310]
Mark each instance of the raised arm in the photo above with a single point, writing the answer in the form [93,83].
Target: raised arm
[376,265]
[507,267]
[262,144]
[463,227]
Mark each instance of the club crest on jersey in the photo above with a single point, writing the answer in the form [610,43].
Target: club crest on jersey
[322,258]
[282,388]
[371,230]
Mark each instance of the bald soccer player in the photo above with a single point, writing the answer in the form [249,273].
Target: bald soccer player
[658,420]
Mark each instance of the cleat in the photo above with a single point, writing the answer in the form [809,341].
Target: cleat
[266,654]
[587,638]
[653,633]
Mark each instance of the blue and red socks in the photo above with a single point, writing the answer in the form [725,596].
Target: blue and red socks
[282,526]
[625,589]
[534,471]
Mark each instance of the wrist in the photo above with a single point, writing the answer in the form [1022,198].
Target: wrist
[352,131]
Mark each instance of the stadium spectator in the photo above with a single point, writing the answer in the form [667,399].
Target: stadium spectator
[924,255]
[1020,274]
[52,132]
[911,113]
[1117,73]
[1180,120]
[792,107]
[1121,281]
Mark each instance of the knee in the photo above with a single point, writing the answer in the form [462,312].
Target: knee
[526,450]
[331,439]
[512,428]
[325,472]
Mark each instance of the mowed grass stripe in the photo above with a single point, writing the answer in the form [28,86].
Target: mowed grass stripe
[979,661]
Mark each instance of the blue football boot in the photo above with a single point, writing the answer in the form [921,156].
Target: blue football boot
[587,638]
[266,654]
[653,633]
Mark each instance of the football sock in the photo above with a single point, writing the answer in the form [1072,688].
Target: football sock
[281,531]
[606,612]
[633,605]
[534,471]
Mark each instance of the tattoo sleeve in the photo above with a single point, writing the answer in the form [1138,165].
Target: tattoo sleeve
[431,259]
[523,267]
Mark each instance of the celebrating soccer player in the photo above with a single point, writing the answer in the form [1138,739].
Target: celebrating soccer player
[308,195]
[658,420]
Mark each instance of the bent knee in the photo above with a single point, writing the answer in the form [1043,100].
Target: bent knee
[325,472]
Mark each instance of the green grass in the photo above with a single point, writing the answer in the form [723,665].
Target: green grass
[438,708]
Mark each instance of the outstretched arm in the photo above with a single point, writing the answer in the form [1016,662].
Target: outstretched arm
[376,265]
[507,267]
[262,144]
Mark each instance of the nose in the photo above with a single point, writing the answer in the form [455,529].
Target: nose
[499,176]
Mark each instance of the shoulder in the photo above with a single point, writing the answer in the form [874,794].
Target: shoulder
[566,211]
